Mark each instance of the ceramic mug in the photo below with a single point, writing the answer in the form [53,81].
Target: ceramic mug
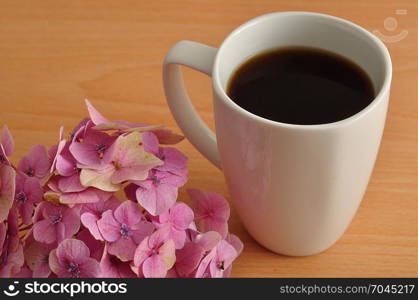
[296,187]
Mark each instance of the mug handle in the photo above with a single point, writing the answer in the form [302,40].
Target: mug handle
[201,58]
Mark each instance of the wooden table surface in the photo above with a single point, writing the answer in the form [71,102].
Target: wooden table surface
[54,54]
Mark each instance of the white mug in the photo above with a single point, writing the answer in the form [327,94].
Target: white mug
[296,187]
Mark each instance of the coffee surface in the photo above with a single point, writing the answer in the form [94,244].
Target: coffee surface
[301,85]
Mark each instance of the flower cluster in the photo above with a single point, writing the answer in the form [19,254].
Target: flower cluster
[103,203]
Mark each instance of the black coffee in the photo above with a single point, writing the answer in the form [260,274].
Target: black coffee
[301,85]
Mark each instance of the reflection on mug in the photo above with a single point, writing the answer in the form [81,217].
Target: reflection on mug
[391,24]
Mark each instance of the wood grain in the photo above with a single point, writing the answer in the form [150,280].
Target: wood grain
[53,54]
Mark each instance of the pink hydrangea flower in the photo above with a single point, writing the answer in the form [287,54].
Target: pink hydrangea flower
[95,150]
[124,229]
[156,254]
[72,260]
[58,222]
[158,192]
[218,260]
[178,218]
[37,257]
[189,257]
[64,162]
[129,162]
[67,187]
[172,158]
[78,228]
[28,192]
[212,211]
[7,190]
[92,212]
[112,267]
[36,163]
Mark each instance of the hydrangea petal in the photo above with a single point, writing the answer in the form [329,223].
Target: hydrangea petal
[111,268]
[89,221]
[150,142]
[148,199]
[72,250]
[173,159]
[60,232]
[235,242]
[54,153]
[167,253]
[65,162]
[204,264]
[132,160]
[128,213]
[71,221]
[7,141]
[208,240]
[154,267]
[123,248]
[157,200]
[141,230]
[181,216]
[43,232]
[53,262]
[70,184]
[95,116]
[159,237]
[212,211]
[3,157]
[109,227]
[7,190]
[142,252]
[90,268]
[188,258]
[225,254]
[90,195]
[100,179]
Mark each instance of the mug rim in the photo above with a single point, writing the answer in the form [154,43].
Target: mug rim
[384,89]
